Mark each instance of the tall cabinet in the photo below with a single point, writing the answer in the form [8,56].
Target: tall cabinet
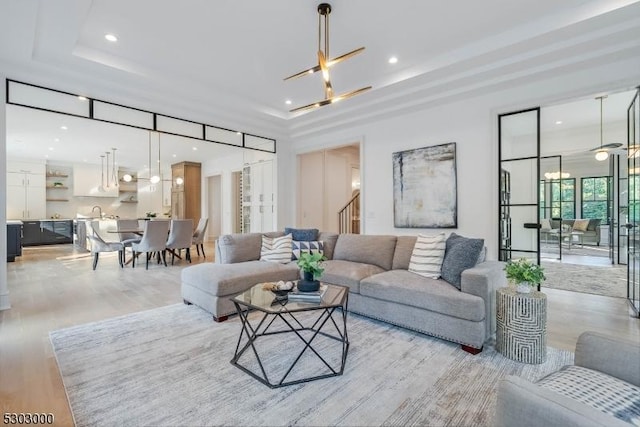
[257,197]
[26,190]
[186,191]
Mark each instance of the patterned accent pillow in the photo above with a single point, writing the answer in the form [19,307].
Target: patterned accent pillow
[461,253]
[598,390]
[302,234]
[276,249]
[580,224]
[427,255]
[306,247]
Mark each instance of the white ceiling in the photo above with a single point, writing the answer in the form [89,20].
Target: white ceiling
[223,62]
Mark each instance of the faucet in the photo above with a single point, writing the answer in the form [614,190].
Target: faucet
[99,210]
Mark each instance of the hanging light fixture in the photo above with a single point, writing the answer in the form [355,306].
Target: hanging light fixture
[556,175]
[114,171]
[601,153]
[101,186]
[127,177]
[108,173]
[324,63]
[155,178]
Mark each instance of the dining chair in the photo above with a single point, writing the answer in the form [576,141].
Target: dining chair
[198,235]
[127,239]
[99,245]
[180,235]
[154,239]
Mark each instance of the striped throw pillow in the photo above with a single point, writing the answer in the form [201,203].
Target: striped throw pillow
[427,255]
[276,249]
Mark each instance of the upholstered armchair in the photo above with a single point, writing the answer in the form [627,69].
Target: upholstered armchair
[198,235]
[99,245]
[180,235]
[601,389]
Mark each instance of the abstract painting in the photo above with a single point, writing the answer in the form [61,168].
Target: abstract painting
[425,187]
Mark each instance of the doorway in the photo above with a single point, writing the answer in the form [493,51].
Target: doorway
[331,189]
[582,224]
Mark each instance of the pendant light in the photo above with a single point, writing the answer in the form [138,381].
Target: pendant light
[101,187]
[601,153]
[155,178]
[114,172]
[108,178]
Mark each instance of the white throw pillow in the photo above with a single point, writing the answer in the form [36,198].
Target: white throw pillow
[428,254]
[276,249]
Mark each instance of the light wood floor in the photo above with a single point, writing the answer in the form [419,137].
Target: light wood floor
[53,287]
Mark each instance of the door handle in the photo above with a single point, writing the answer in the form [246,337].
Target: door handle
[629,226]
[533,225]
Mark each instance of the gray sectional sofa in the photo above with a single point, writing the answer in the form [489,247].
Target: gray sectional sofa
[375,269]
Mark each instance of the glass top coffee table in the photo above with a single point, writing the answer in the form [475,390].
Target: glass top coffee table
[303,341]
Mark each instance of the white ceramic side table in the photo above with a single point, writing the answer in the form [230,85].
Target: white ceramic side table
[521,325]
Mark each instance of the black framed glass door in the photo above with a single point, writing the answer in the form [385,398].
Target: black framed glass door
[519,177]
[633,184]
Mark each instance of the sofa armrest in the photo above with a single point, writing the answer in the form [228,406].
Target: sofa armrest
[524,404]
[613,356]
[482,281]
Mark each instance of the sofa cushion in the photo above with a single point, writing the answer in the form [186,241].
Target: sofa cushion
[230,279]
[408,288]
[329,239]
[348,273]
[427,255]
[233,248]
[461,253]
[403,251]
[580,224]
[600,391]
[593,224]
[366,249]
[302,234]
[276,249]
[299,248]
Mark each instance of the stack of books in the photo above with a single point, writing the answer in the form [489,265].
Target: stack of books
[316,296]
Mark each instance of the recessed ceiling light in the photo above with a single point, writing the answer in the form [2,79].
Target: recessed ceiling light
[559,122]
[173,155]
[84,160]
[82,98]
[111,37]
[63,127]
[288,102]
[393,60]
[46,156]
[195,148]
[238,133]
[56,139]
[50,148]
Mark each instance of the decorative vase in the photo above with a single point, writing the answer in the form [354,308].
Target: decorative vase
[523,288]
[308,284]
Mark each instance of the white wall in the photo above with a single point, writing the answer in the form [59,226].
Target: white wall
[472,124]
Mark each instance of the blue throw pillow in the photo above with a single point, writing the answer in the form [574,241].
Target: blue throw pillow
[460,254]
[303,234]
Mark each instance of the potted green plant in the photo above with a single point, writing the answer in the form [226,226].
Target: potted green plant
[524,274]
[312,269]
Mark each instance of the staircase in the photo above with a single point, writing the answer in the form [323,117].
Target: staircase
[349,216]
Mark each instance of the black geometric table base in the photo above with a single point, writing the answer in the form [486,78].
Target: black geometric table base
[294,327]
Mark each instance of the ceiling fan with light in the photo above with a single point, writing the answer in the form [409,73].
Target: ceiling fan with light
[602,152]
[325,63]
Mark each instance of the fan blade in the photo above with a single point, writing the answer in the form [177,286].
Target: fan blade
[329,63]
[331,100]
[607,147]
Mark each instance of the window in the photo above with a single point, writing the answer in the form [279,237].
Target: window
[596,198]
[558,198]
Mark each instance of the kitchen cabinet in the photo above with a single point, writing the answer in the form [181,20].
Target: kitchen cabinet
[47,232]
[26,191]
[14,240]
[186,184]
[257,197]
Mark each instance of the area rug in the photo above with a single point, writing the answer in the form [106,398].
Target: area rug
[608,280]
[170,366]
